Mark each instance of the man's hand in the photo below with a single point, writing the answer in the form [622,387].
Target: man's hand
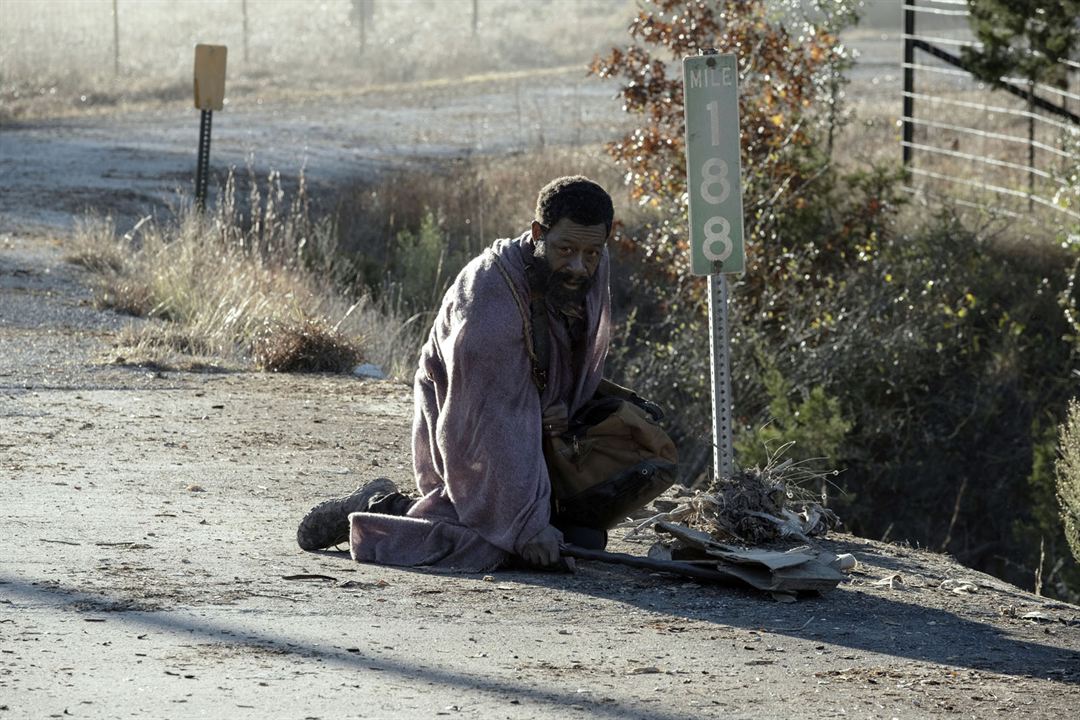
[543,549]
[555,420]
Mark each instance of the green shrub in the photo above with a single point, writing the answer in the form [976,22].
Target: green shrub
[946,347]
[811,429]
[423,264]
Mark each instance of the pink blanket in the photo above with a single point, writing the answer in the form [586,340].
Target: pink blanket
[477,456]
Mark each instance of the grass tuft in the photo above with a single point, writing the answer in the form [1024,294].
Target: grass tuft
[126,297]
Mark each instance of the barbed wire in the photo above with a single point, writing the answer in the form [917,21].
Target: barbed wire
[992,136]
[993,108]
[994,188]
[1052,100]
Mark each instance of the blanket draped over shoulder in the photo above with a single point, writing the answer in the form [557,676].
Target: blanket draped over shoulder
[476,441]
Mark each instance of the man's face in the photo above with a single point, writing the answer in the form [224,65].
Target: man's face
[572,254]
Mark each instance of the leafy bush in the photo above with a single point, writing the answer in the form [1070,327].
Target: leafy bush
[930,350]
[814,427]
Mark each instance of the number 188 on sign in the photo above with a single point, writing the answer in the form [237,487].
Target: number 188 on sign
[710,89]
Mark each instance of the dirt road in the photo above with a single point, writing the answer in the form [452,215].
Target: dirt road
[122,160]
[149,567]
[150,570]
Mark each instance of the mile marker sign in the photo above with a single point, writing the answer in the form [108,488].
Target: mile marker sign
[713,172]
[209,96]
[210,76]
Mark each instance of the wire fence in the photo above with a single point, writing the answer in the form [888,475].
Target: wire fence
[1013,147]
[61,43]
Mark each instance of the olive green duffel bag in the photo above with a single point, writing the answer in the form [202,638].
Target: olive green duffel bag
[613,459]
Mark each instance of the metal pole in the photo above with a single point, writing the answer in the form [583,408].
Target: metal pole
[243,6]
[909,82]
[723,451]
[362,8]
[1031,145]
[202,169]
[116,39]
[475,16]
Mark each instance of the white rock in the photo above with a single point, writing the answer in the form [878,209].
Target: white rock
[367,370]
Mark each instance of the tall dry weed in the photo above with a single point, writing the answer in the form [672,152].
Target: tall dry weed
[466,204]
[1068,477]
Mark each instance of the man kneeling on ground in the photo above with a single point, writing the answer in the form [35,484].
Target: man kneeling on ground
[484,493]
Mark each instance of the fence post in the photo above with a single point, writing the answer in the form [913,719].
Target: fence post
[243,7]
[364,10]
[116,39]
[1031,145]
[909,82]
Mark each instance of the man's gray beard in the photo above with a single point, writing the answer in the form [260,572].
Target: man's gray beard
[550,283]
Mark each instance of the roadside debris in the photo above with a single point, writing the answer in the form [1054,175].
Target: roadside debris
[703,532]
[692,553]
[754,507]
[367,370]
[959,586]
[893,582]
[800,569]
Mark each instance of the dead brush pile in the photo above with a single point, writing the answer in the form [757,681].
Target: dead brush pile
[755,507]
[305,346]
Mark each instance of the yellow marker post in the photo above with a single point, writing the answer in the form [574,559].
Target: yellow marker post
[209,96]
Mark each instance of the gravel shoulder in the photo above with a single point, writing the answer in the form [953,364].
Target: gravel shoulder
[150,569]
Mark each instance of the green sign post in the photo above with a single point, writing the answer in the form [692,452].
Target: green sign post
[711,92]
[713,182]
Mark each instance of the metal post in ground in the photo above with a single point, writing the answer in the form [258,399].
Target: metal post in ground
[723,453]
[243,6]
[715,218]
[909,82]
[1031,146]
[202,169]
[116,39]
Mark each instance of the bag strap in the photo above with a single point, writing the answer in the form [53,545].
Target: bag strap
[541,337]
[539,360]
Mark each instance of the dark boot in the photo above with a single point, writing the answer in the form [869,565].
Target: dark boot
[327,524]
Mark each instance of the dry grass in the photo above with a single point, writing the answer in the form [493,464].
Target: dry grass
[474,201]
[255,290]
[874,136]
[163,345]
[305,346]
[262,284]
